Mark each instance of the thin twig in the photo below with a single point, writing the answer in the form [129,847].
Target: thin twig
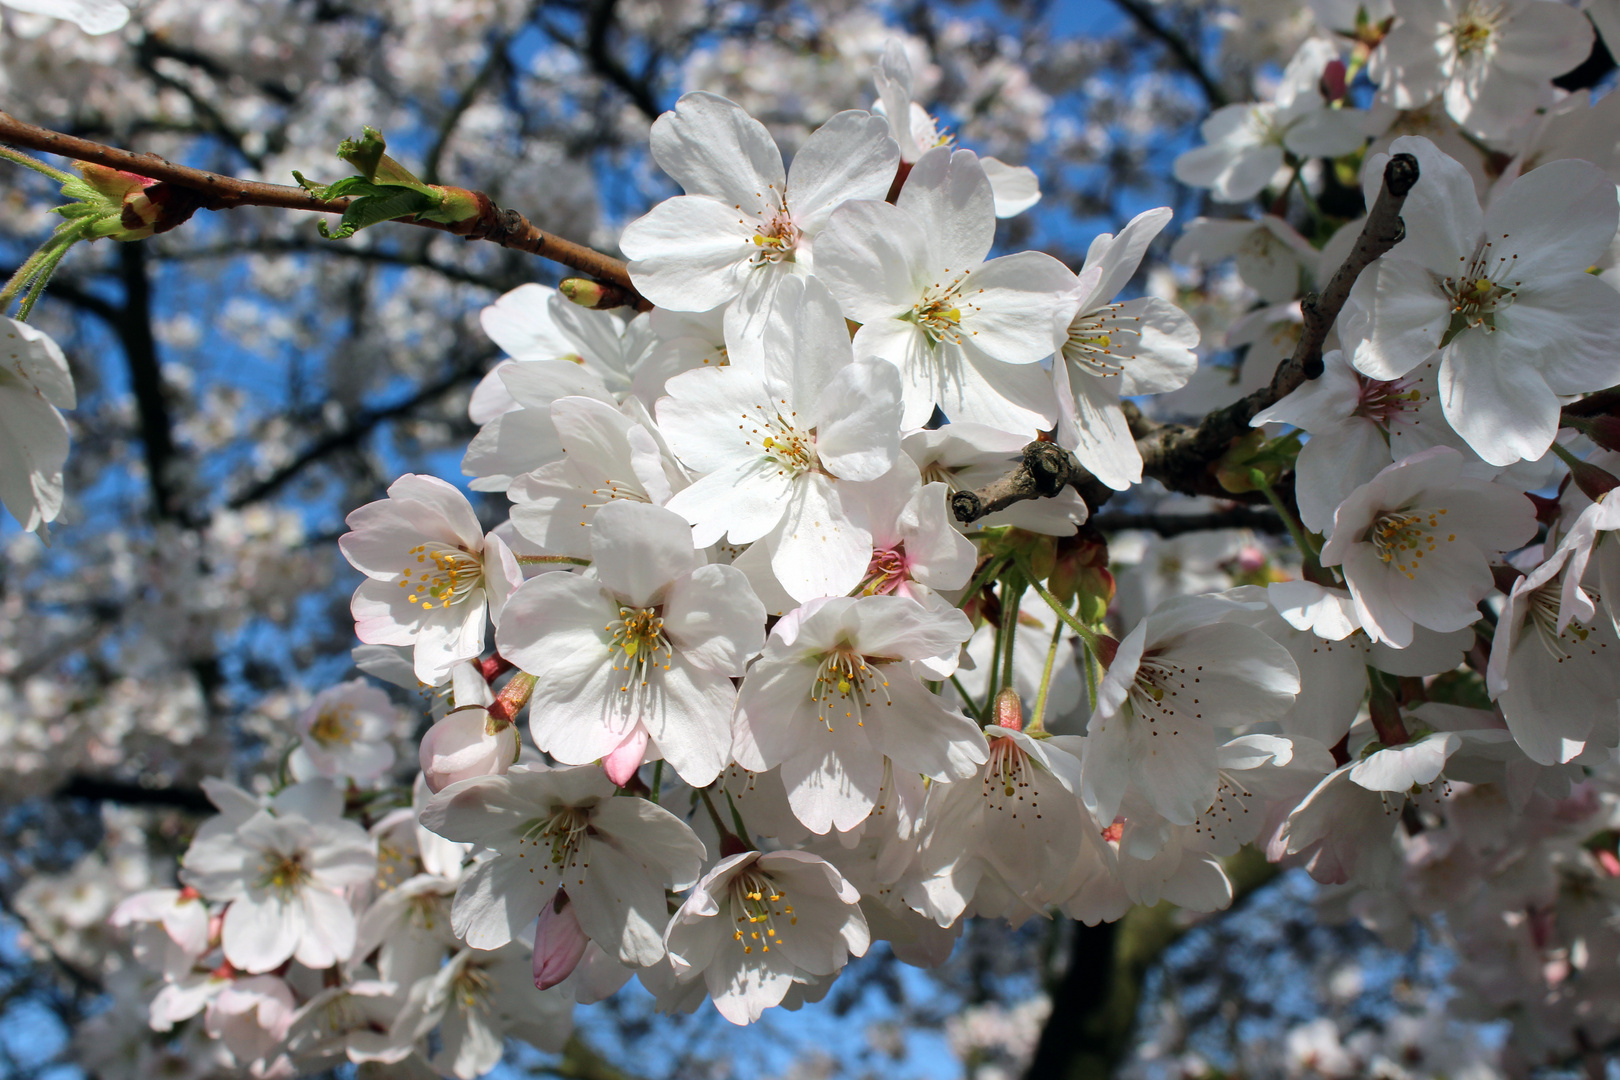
[1238,517]
[508,228]
[1179,48]
[1179,456]
[357,431]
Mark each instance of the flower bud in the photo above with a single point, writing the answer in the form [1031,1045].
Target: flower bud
[1007,711]
[466,743]
[1332,85]
[597,295]
[1594,481]
[558,942]
[1603,430]
[623,762]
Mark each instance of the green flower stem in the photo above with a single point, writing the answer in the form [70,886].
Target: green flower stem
[968,703]
[35,164]
[1088,635]
[1037,722]
[1089,663]
[551,560]
[1009,621]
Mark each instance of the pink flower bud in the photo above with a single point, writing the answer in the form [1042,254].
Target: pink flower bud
[1007,711]
[463,745]
[558,943]
[1333,80]
[622,764]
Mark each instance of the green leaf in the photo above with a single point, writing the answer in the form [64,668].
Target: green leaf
[367,210]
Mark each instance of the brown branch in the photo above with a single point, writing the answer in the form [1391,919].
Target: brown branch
[356,432]
[508,228]
[1238,517]
[1179,48]
[1180,456]
[134,326]
[1604,402]
[1046,470]
[103,789]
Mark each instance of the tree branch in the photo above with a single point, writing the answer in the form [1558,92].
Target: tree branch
[101,789]
[600,21]
[508,228]
[134,325]
[1238,517]
[1179,48]
[362,426]
[1178,456]
[1046,470]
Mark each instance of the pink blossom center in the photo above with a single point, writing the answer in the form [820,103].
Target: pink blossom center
[888,572]
[1384,402]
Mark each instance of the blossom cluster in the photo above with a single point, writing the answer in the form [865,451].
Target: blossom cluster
[731,692]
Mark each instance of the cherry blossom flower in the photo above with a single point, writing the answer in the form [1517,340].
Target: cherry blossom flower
[561,828]
[608,455]
[961,330]
[91,16]
[344,734]
[757,923]
[1553,671]
[556,349]
[1492,63]
[1589,539]
[34,384]
[1187,669]
[1342,829]
[745,225]
[775,446]
[1415,543]
[1015,187]
[642,649]
[1112,350]
[408,927]
[349,1022]
[174,928]
[475,1001]
[1245,144]
[285,874]
[1319,627]
[1358,426]
[915,551]
[432,574]
[466,743]
[1503,295]
[250,1017]
[1271,256]
[832,696]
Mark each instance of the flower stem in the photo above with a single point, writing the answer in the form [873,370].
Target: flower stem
[1038,720]
[1085,632]
[549,560]
[513,696]
[991,571]
[1089,663]
[37,165]
[719,825]
[1012,588]
[967,701]
[1307,550]
[658,780]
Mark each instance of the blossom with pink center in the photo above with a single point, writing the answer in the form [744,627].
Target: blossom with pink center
[1358,425]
